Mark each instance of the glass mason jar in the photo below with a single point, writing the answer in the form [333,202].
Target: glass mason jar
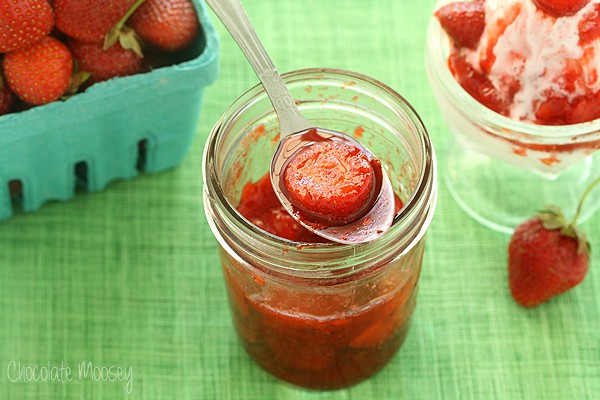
[321,315]
[500,170]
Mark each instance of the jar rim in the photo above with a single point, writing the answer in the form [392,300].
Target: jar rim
[423,187]
[437,66]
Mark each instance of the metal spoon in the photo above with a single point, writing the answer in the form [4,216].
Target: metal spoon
[294,129]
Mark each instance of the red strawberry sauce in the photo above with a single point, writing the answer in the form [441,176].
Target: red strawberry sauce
[320,351]
[312,338]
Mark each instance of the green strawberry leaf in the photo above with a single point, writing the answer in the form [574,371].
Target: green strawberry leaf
[120,29]
[129,40]
[552,217]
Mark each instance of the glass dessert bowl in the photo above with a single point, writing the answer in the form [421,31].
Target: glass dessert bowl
[502,169]
[313,313]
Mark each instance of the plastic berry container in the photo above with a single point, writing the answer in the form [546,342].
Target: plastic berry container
[114,130]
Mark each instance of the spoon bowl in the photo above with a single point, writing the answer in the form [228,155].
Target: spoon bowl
[294,129]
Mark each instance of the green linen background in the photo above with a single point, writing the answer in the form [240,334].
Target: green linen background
[130,276]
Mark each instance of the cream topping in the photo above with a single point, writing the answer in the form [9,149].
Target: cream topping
[534,50]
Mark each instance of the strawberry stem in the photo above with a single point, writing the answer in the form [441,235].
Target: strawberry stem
[134,7]
[587,191]
[113,34]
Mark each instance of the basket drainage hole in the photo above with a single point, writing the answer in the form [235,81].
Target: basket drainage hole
[142,155]
[81,176]
[15,189]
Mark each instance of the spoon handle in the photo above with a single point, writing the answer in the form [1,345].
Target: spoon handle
[234,18]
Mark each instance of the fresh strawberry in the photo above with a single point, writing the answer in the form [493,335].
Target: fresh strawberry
[560,8]
[40,73]
[104,64]
[89,21]
[6,97]
[463,21]
[547,256]
[24,22]
[168,25]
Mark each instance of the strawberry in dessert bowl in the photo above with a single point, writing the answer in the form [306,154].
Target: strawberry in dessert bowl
[517,83]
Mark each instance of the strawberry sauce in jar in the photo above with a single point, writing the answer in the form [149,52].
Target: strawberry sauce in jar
[313,313]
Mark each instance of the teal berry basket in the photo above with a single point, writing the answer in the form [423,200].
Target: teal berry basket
[113,131]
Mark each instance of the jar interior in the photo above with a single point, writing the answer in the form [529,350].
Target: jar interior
[338,104]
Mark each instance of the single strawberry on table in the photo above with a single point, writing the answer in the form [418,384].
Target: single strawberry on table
[40,73]
[24,22]
[547,256]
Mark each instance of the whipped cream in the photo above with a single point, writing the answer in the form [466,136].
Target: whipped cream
[534,49]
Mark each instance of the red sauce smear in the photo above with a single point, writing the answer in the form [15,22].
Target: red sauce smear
[261,207]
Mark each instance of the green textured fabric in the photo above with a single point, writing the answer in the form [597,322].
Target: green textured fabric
[129,277]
